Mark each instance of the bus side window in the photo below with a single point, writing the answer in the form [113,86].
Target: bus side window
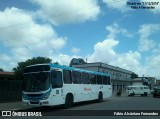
[85,78]
[99,79]
[93,79]
[76,77]
[67,77]
[57,79]
[108,80]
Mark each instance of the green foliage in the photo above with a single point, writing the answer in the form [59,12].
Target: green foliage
[133,75]
[76,61]
[1,70]
[21,65]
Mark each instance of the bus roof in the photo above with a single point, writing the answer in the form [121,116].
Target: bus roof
[138,86]
[70,68]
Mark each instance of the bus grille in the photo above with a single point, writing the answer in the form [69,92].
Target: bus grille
[34,95]
[34,102]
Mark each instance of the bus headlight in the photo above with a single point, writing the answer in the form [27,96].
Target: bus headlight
[46,96]
[24,97]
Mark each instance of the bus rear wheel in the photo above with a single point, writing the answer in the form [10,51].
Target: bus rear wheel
[100,97]
[68,101]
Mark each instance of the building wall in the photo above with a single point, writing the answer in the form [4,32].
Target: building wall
[10,90]
[6,75]
[137,83]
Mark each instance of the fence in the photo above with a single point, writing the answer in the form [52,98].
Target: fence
[10,90]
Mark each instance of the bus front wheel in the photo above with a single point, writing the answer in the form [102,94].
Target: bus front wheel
[68,101]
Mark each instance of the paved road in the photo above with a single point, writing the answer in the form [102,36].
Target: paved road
[118,104]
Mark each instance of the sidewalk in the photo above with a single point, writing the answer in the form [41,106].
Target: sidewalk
[13,106]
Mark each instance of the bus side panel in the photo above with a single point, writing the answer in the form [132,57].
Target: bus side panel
[107,91]
[57,96]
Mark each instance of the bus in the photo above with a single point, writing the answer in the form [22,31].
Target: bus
[52,84]
[138,90]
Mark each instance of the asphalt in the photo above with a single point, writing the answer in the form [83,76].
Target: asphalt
[13,106]
[21,106]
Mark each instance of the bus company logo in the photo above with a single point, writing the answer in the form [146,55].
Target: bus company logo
[6,113]
[87,89]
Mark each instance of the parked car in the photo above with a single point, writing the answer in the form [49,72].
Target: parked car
[152,90]
[156,92]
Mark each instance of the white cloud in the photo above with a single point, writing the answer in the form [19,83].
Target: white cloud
[145,43]
[63,59]
[115,29]
[75,50]
[157,7]
[132,60]
[103,51]
[5,60]
[26,38]
[29,34]
[21,54]
[59,43]
[152,65]
[117,4]
[129,60]
[67,11]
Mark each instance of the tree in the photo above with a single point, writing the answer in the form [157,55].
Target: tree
[21,65]
[133,75]
[75,61]
[1,70]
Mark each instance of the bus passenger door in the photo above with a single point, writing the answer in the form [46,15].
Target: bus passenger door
[57,84]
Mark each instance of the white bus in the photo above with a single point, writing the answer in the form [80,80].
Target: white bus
[52,84]
[137,90]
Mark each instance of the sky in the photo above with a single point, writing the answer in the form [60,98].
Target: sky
[108,31]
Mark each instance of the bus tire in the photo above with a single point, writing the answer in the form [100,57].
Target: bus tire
[68,101]
[100,97]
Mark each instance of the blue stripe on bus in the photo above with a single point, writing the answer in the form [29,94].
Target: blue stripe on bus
[77,69]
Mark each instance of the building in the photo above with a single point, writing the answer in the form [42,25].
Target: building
[148,81]
[120,77]
[158,83]
[6,75]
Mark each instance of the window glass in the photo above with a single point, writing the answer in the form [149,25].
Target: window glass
[136,88]
[99,79]
[145,87]
[106,80]
[129,88]
[76,77]
[93,79]
[57,79]
[67,76]
[85,78]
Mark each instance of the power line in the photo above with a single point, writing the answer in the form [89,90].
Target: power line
[64,13]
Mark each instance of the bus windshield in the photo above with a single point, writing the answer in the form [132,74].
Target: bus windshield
[34,82]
